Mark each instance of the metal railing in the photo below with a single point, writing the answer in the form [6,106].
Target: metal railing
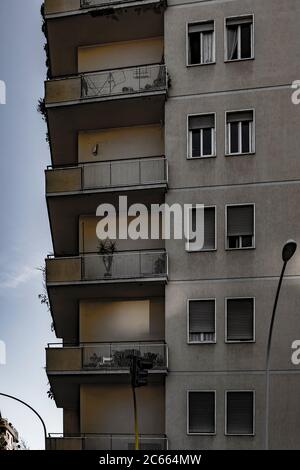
[141,79]
[99,356]
[106,442]
[125,265]
[117,266]
[117,173]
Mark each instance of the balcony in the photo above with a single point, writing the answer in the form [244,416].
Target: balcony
[107,176]
[117,267]
[56,8]
[105,358]
[132,275]
[105,442]
[116,98]
[109,84]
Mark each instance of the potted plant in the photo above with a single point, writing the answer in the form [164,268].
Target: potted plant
[106,249]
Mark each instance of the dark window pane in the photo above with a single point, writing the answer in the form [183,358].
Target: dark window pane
[202,412]
[234,137]
[247,241]
[245,41]
[232,42]
[196,143]
[233,242]
[240,413]
[207,142]
[194,39]
[245,137]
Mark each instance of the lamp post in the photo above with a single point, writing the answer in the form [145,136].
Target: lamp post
[32,409]
[287,253]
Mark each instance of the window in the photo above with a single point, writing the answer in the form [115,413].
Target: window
[201,321]
[209,230]
[240,320]
[201,412]
[240,413]
[201,43]
[240,132]
[201,135]
[240,226]
[239,38]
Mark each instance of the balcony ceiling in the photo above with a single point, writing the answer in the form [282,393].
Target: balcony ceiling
[65,121]
[92,30]
[64,213]
[65,299]
[66,387]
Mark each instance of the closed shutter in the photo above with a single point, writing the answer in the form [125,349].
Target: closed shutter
[240,116]
[240,320]
[201,412]
[202,316]
[209,228]
[240,220]
[201,27]
[205,121]
[240,413]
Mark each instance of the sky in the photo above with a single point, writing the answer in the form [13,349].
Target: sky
[25,234]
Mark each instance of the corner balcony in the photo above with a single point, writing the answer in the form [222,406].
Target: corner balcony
[107,84]
[75,190]
[105,442]
[115,98]
[107,176]
[130,275]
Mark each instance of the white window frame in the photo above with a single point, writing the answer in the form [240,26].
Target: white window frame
[237,17]
[253,413]
[188,43]
[226,227]
[188,321]
[187,414]
[204,250]
[252,139]
[214,140]
[228,341]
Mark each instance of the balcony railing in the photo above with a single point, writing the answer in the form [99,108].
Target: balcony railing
[110,267]
[132,80]
[144,79]
[107,174]
[108,357]
[105,442]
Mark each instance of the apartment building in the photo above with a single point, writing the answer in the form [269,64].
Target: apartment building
[176,102]
[9,437]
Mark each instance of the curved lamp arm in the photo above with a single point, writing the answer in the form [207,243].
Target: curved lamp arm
[30,407]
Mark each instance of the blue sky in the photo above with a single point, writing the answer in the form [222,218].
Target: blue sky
[24,235]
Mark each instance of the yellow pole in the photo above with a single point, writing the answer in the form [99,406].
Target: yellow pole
[136,426]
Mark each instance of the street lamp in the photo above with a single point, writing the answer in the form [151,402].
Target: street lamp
[287,253]
[32,409]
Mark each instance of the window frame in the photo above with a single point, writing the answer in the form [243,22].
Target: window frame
[214,137]
[187,47]
[187,413]
[253,412]
[188,321]
[226,60]
[253,136]
[204,250]
[228,341]
[254,227]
